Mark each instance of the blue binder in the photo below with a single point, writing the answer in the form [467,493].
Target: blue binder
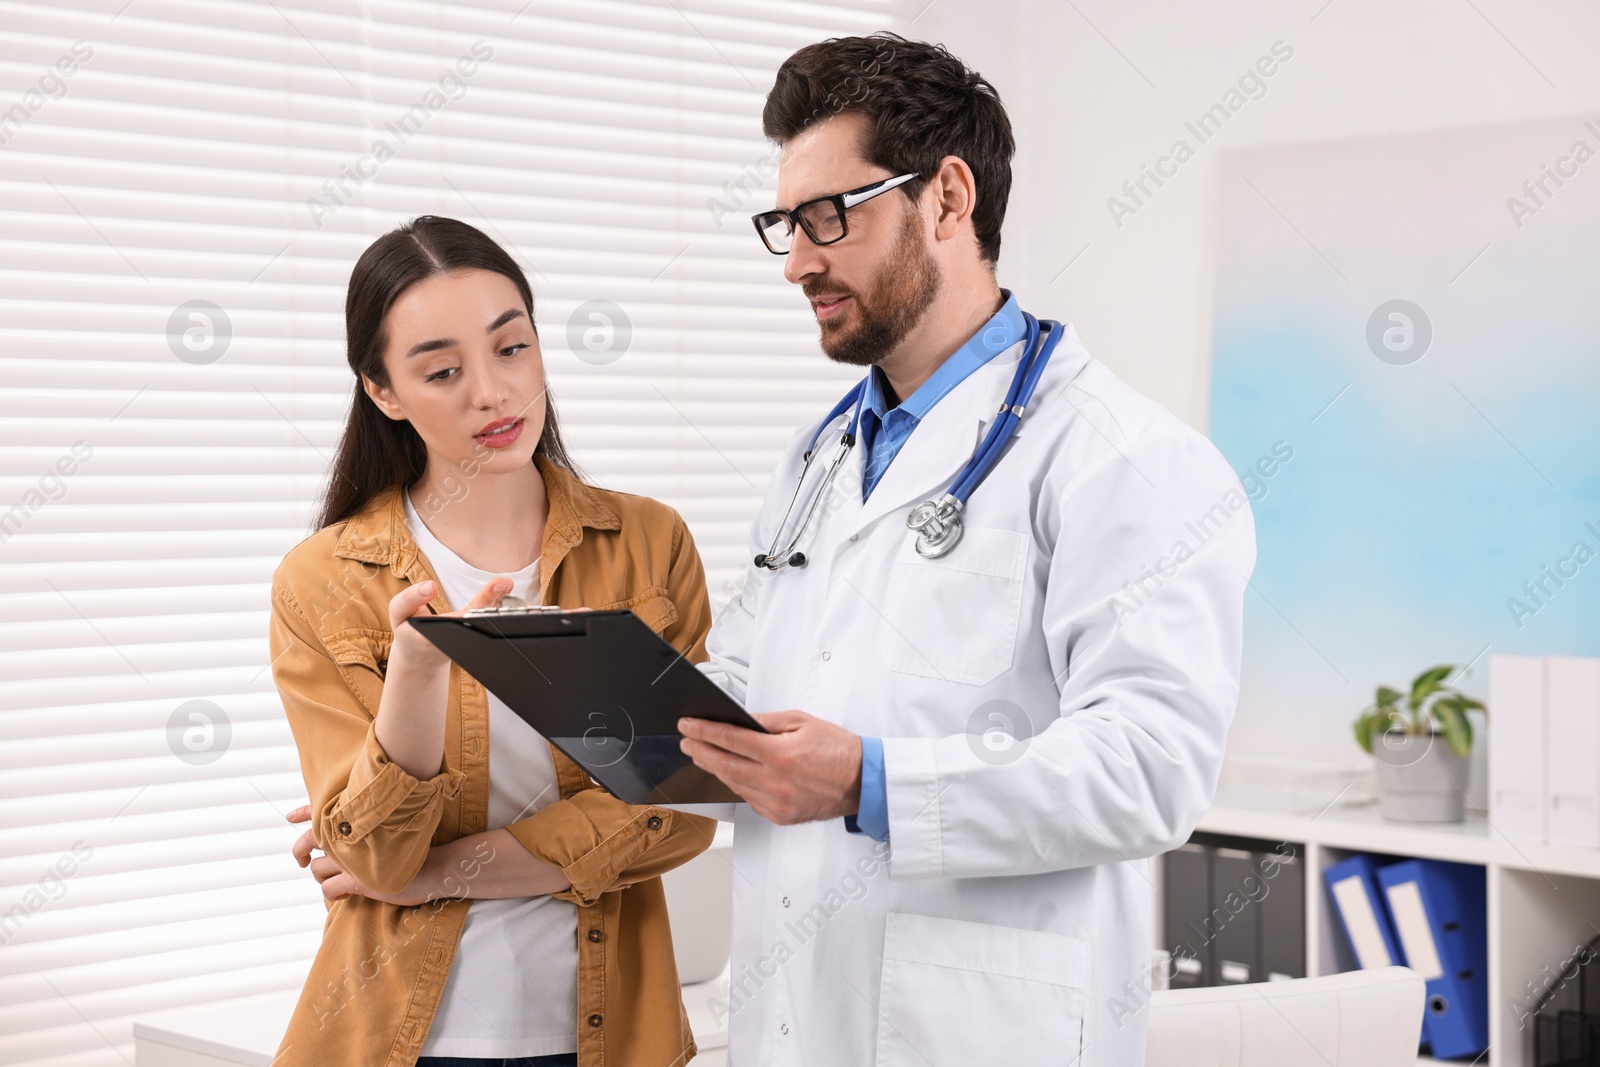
[1358,901]
[1440,915]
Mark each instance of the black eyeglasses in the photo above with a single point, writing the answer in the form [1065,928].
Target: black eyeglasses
[822,218]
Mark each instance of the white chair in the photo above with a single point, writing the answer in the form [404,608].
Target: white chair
[1370,1018]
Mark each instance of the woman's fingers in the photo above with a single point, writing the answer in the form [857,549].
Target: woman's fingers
[300,814]
[339,886]
[323,868]
[490,594]
[408,602]
[303,846]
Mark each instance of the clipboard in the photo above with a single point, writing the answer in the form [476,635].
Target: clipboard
[601,686]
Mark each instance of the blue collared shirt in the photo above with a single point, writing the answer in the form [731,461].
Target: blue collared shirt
[883,430]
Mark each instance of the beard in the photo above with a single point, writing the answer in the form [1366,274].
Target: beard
[900,296]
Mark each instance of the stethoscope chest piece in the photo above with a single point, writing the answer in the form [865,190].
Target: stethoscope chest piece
[938,525]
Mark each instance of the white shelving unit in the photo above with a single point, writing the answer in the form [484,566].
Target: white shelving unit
[1544,900]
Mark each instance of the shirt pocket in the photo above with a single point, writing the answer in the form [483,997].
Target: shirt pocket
[955,618]
[363,659]
[960,993]
[653,607]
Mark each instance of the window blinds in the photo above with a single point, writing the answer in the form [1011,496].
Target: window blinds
[184,187]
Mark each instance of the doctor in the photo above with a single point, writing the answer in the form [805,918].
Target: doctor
[943,856]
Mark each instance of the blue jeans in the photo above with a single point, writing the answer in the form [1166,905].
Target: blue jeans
[564,1059]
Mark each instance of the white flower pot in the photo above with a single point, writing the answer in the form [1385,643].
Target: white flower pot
[1419,778]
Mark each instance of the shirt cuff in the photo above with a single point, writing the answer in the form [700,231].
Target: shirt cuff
[872,818]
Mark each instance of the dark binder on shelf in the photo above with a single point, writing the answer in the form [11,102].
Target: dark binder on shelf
[602,687]
[1566,1021]
[1233,910]
[1186,887]
[1236,907]
[1440,914]
[1363,915]
[1283,917]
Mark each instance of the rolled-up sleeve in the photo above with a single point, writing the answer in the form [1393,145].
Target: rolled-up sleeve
[602,843]
[372,817]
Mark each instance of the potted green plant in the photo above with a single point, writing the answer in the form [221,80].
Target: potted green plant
[1420,779]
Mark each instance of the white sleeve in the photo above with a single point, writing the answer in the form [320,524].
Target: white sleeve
[728,643]
[1148,674]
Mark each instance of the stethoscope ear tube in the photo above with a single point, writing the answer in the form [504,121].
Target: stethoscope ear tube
[938,523]
[1041,345]
[774,558]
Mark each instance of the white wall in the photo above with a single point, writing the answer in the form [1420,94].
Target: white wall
[1099,88]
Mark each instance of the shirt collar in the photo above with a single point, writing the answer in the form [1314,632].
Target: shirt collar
[1005,328]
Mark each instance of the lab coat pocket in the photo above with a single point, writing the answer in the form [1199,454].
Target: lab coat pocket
[955,618]
[963,993]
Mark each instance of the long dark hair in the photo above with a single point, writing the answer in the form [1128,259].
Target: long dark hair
[376,452]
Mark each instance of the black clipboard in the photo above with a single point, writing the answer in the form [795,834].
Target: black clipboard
[602,687]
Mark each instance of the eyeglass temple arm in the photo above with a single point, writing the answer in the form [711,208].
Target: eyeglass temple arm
[852,199]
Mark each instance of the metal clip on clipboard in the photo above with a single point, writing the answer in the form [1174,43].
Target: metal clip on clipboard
[514,605]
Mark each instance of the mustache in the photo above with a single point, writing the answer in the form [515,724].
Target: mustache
[824,287]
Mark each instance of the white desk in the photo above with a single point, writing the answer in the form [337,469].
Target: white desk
[245,1033]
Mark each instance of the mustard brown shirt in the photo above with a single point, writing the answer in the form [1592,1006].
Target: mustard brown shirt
[380,971]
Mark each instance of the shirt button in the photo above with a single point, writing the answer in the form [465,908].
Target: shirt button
[855,537]
[827,655]
[595,1020]
[654,822]
[783,1028]
[595,935]
[344,828]
[786,902]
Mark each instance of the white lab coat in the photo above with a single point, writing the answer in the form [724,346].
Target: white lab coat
[1007,920]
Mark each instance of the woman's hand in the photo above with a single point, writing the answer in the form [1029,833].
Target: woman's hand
[488,866]
[337,883]
[410,724]
[412,652]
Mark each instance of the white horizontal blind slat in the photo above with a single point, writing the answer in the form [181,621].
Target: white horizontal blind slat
[213,149]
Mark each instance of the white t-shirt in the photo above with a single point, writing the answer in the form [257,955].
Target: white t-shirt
[513,988]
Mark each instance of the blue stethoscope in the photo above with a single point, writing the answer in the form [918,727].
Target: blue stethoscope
[937,522]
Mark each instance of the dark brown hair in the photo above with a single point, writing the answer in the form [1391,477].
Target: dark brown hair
[376,452]
[923,103]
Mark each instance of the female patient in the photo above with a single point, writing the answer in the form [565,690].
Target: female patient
[474,873]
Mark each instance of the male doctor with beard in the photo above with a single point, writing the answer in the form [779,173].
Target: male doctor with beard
[943,856]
